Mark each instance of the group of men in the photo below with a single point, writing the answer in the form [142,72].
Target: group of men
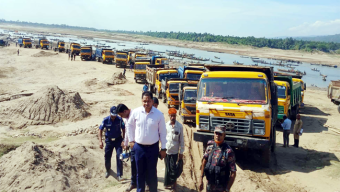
[72,56]
[297,131]
[144,131]
[141,130]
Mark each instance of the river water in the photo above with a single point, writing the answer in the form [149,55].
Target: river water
[311,77]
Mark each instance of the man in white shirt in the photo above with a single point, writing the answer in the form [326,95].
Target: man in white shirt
[286,125]
[174,145]
[145,128]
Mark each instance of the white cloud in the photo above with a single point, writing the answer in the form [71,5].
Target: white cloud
[317,28]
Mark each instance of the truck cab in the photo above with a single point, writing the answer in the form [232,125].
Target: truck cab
[289,96]
[74,48]
[162,75]
[104,55]
[140,69]
[86,53]
[121,59]
[27,42]
[159,60]
[44,43]
[187,99]
[61,46]
[244,99]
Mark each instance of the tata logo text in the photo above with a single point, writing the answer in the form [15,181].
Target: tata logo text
[230,114]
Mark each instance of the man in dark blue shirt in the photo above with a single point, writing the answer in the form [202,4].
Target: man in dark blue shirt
[114,126]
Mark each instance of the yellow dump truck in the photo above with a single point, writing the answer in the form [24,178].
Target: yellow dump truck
[121,59]
[303,89]
[74,48]
[25,42]
[154,76]
[334,93]
[244,99]
[140,69]
[187,99]
[87,53]
[170,90]
[60,46]
[42,43]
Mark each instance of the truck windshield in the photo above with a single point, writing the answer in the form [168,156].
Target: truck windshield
[165,62]
[193,76]
[190,96]
[76,46]
[108,53]
[173,87]
[45,42]
[281,92]
[167,75]
[140,67]
[233,90]
[121,56]
[27,41]
[62,44]
[85,50]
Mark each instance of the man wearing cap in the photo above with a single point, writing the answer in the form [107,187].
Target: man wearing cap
[218,163]
[145,128]
[174,145]
[113,139]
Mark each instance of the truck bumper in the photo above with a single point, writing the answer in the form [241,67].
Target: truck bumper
[189,117]
[234,141]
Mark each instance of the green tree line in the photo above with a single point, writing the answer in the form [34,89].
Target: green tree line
[285,44]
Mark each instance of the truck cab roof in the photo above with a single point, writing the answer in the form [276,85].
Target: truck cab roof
[281,83]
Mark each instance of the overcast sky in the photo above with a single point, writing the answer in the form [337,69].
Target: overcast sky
[259,18]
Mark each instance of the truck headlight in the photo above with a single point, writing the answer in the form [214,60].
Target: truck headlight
[259,131]
[204,126]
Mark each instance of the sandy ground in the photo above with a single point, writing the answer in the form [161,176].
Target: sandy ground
[316,57]
[70,159]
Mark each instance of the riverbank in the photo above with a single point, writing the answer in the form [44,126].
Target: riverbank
[316,57]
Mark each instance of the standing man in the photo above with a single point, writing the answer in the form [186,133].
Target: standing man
[286,125]
[145,87]
[125,112]
[69,55]
[74,57]
[218,163]
[174,145]
[124,71]
[155,102]
[18,52]
[113,139]
[145,128]
[297,129]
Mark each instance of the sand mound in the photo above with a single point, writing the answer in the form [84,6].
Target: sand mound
[117,78]
[44,54]
[35,167]
[50,105]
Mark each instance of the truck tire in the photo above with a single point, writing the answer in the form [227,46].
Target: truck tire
[339,108]
[135,80]
[164,99]
[265,157]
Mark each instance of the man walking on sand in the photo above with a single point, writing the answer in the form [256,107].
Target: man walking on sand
[286,125]
[174,145]
[74,57]
[113,139]
[18,52]
[145,128]
[297,130]
[69,55]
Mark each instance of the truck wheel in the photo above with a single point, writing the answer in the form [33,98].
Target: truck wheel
[136,80]
[339,108]
[265,157]
[164,99]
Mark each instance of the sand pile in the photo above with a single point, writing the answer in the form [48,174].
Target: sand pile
[117,78]
[59,167]
[50,105]
[44,54]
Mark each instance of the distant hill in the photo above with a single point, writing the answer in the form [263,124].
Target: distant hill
[327,38]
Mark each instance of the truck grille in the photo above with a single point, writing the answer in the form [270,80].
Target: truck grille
[281,109]
[191,109]
[241,126]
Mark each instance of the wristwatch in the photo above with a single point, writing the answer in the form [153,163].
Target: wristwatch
[163,149]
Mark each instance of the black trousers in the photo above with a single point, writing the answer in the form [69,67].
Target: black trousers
[286,137]
[110,145]
[170,169]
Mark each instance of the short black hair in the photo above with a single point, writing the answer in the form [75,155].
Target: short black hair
[284,117]
[155,100]
[148,94]
[121,108]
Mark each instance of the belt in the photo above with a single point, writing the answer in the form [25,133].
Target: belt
[113,139]
[148,145]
